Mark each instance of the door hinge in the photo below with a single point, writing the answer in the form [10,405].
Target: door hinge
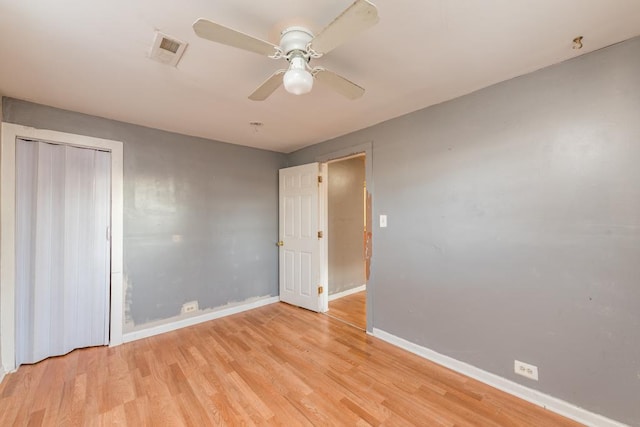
[319,179]
[320,290]
[320,234]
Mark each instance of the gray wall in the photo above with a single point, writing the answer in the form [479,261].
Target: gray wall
[200,216]
[514,228]
[346,224]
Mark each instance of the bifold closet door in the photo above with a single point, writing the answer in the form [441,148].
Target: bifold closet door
[63,197]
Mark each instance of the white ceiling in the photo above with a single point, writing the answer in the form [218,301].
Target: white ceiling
[92,57]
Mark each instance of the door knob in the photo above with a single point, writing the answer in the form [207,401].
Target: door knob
[280,243]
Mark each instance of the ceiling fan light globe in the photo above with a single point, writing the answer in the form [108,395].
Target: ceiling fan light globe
[298,82]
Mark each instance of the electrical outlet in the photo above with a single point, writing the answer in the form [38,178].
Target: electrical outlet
[526,370]
[189,307]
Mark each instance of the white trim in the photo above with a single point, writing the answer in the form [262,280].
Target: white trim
[530,395]
[348,292]
[183,323]
[349,157]
[323,224]
[366,150]
[9,133]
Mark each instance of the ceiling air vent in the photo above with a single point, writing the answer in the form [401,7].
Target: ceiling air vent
[166,49]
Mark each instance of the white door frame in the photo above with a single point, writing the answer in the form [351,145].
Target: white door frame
[323,223]
[9,133]
[325,212]
[365,149]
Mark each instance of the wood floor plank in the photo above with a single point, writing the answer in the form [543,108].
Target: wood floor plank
[36,418]
[351,309]
[275,365]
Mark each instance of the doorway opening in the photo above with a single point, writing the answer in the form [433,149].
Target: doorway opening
[349,237]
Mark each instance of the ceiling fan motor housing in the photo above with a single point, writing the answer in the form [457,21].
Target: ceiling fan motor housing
[295,38]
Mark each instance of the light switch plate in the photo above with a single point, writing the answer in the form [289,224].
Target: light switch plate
[383,221]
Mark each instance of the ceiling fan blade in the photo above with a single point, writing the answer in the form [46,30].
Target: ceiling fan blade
[217,33]
[356,18]
[338,83]
[268,87]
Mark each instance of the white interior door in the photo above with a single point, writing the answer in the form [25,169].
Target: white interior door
[63,198]
[300,245]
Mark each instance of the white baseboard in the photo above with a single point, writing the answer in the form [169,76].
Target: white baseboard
[530,395]
[2,373]
[205,317]
[348,292]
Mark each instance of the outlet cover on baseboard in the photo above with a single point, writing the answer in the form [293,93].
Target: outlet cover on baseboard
[526,370]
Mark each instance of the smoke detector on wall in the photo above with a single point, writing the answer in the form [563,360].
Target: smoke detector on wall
[166,49]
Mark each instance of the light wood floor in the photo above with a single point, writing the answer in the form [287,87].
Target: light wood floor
[351,309]
[276,365]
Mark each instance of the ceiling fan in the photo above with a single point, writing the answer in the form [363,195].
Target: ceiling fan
[298,46]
